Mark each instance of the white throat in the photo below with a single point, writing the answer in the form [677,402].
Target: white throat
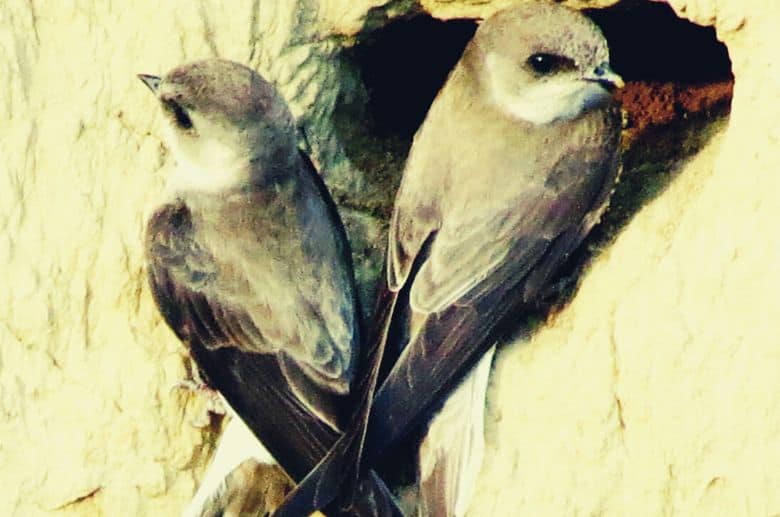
[210,166]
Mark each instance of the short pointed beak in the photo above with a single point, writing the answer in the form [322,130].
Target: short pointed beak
[605,76]
[151,81]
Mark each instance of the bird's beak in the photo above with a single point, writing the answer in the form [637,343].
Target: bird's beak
[605,76]
[151,81]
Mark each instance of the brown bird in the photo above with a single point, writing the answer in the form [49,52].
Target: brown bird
[512,167]
[249,264]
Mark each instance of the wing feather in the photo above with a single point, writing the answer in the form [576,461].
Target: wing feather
[254,384]
[462,291]
[309,314]
[534,235]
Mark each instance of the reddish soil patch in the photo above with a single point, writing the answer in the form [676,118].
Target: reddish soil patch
[652,104]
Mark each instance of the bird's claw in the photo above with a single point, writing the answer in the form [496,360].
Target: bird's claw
[211,400]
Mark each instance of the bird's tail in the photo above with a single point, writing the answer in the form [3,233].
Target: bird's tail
[452,450]
[371,498]
[243,479]
[338,484]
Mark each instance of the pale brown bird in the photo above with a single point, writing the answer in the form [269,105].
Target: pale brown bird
[249,264]
[512,167]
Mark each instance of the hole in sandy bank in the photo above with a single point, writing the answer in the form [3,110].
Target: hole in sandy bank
[673,68]
[678,95]
[403,66]
[649,42]
[678,75]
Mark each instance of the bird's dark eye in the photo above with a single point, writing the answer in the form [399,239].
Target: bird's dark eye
[179,114]
[543,63]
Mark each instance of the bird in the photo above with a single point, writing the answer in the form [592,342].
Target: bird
[249,264]
[512,167]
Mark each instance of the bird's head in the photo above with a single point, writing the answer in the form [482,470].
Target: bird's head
[543,63]
[223,122]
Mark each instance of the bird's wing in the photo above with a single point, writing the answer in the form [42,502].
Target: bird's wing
[281,285]
[448,343]
[340,471]
[252,383]
[477,272]
[331,292]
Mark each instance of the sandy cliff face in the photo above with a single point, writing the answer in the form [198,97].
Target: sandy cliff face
[655,391]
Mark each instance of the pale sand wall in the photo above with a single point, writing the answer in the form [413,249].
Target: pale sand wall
[447,9]
[656,391]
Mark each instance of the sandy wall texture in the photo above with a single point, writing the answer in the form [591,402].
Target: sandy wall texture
[656,391]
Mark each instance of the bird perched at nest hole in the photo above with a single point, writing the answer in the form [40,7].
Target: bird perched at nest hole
[512,167]
[249,264]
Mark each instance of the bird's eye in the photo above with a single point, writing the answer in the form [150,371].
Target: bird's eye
[179,114]
[543,63]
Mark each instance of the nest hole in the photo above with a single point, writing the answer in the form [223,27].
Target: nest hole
[678,80]
[403,66]
[648,42]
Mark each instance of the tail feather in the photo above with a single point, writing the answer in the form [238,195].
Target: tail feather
[335,483]
[453,448]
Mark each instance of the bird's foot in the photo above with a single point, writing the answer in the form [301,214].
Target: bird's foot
[211,400]
[192,385]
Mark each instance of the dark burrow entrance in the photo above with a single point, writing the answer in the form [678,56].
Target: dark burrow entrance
[677,72]
[648,41]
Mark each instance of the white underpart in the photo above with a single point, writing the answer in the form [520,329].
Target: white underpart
[215,166]
[457,432]
[541,102]
[236,444]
